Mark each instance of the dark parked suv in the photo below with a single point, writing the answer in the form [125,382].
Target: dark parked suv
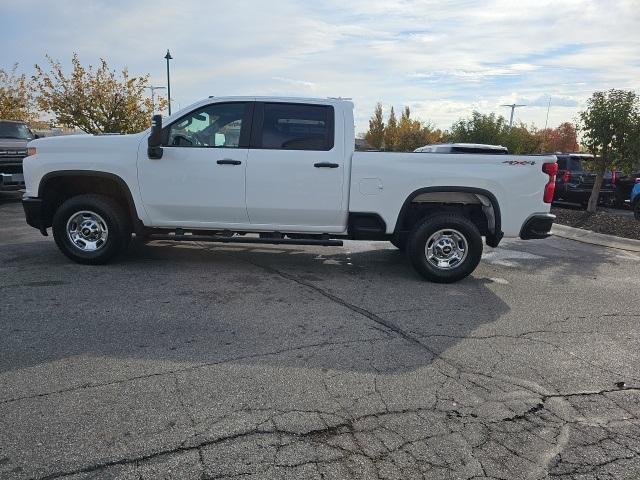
[623,186]
[574,183]
[13,148]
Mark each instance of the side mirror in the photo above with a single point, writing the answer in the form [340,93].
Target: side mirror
[155,138]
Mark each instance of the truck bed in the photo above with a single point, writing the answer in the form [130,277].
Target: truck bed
[381,181]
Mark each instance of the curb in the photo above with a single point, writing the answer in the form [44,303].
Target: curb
[593,238]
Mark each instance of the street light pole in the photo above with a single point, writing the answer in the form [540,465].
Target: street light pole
[513,106]
[168,57]
[153,88]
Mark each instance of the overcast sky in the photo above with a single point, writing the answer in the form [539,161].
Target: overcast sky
[443,59]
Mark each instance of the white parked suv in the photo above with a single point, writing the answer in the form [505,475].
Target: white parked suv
[284,168]
[463,148]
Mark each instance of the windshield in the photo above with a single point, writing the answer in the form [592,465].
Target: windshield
[15,130]
[576,164]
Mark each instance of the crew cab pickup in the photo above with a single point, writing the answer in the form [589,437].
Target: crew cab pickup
[280,171]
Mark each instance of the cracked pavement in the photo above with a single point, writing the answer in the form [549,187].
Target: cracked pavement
[265,362]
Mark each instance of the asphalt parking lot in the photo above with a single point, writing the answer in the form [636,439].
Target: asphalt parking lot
[267,362]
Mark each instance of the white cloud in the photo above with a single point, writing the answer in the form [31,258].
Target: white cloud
[297,83]
[443,59]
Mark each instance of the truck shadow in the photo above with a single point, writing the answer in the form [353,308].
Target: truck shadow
[308,308]
[356,308]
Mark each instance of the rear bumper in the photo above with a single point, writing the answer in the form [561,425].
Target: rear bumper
[33,213]
[537,226]
[582,194]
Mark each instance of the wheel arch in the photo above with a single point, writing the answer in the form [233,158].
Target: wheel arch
[58,186]
[456,195]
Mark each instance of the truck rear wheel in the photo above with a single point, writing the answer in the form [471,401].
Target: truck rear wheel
[445,248]
[91,229]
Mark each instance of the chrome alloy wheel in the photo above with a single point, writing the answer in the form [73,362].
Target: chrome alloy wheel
[87,231]
[446,249]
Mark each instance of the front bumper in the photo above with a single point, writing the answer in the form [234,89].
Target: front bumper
[11,181]
[537,226]
[33,213]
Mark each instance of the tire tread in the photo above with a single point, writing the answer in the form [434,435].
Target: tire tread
[422,231]
[119,228]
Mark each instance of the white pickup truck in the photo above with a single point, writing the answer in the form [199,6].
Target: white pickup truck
[280,171]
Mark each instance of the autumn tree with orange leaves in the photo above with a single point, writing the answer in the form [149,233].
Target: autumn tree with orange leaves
[95,100]
[563,138]
[16,96]
[402,135]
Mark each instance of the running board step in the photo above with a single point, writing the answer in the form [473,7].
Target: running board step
[239,239]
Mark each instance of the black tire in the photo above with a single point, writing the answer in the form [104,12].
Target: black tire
[103,212]
[453,227]
[399,242]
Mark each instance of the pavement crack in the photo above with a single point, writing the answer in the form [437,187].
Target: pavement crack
[184,369]
[591,393]
[319,435]
[381,322]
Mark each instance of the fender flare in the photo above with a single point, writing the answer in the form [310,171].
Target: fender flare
[492,240]
[133,212]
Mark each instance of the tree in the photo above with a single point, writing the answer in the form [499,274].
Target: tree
[480,128]
[521,139]
[16,96]
[492,129]
[610,128]
[564,138]
[375,135]
[95,100]
[391,132]
[412,134]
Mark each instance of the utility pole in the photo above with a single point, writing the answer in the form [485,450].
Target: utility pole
[546,122]
[168,57]
[153,89]
[513,106]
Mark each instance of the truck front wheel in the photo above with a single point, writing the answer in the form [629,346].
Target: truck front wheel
[91,229]
[445,248]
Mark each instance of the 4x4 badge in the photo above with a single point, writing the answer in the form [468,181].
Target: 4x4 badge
[520,162]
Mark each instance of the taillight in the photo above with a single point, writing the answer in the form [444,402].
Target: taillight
[638,180]
[31,151]
[550,169]
[614,177]
[566,176]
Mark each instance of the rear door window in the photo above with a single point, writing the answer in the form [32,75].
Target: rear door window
[290,126]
